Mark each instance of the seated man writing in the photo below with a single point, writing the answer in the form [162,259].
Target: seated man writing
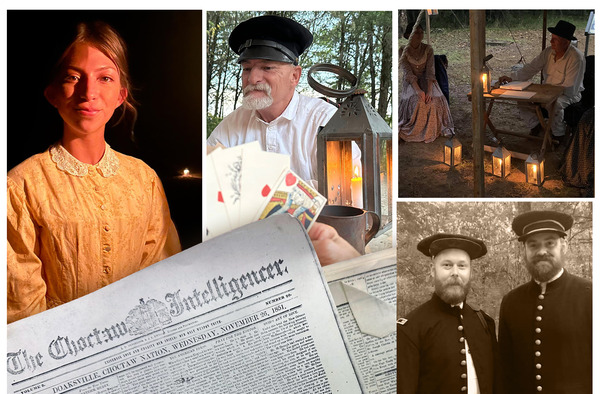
[272,112]
[562,65]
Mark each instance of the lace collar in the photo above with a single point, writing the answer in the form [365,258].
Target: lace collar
[107,166]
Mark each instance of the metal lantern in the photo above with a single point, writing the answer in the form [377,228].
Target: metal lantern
[535,169]
[354,157]
[452,152]
[501,162]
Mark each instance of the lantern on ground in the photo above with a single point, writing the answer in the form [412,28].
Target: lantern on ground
[535,169]
[501,162]
[354,151]
[452,152]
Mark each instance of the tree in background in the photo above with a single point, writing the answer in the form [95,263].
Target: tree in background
[358,41]
[502,268]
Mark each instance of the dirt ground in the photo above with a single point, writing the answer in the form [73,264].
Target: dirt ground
[421,172]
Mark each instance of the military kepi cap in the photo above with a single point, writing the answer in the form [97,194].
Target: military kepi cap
[436,243]
[534,222]
[270,37]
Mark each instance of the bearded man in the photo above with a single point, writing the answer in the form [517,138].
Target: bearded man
[562,65]
[444,345]
[545,327]
[272,112]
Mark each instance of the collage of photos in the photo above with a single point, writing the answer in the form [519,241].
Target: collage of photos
[206,200]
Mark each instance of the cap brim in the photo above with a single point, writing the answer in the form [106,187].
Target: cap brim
[265,53]
[522,238]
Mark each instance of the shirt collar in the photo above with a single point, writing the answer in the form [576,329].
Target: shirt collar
[288,113]
[107,166]
[552,279]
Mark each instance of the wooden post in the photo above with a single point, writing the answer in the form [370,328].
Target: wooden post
[427,28]
[544,39]
[477,55]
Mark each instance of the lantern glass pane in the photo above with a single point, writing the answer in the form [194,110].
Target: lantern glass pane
[447,155]
[385,172]
[344,173]
[507,161]
[457,155]
[496,166]
[532,173]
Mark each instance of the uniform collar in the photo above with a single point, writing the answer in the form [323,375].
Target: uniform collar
[557,280]
[107,166]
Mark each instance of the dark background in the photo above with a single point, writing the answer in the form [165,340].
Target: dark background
[165,52]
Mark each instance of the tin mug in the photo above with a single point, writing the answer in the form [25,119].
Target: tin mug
[355,225]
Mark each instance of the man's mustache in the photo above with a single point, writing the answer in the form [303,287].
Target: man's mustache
[259,86]
[545,257]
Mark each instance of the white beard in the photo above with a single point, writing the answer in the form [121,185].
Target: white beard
[252,102]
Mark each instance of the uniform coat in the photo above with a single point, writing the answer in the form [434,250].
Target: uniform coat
[546,340]
[430,357]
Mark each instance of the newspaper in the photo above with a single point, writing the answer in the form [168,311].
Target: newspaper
[369,321]
[247,312]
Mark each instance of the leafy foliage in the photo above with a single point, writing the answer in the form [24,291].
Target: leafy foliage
[501,269]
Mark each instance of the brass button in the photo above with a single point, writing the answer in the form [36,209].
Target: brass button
[538,366]
[463,376]
[540,307]
[464,388]
[538,377]
[460,328]
[537,342]
[463,363]
[541,296]
[537,330]
[539,388]
[106,269]
[537,354]
[462,351]
[461,339]
[538,318]
[107,228]
[106,248]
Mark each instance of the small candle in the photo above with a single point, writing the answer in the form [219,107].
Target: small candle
[357,189]
[484,86]
[186,172]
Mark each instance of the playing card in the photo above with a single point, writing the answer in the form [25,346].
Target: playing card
[228,169]
[260,173]
[294,196]
[215,215]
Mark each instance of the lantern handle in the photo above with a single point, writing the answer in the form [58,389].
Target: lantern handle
[352,79]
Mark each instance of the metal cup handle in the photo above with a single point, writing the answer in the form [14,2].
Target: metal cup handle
[375,226]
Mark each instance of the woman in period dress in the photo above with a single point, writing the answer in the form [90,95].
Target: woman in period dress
[424,112]
[81,215]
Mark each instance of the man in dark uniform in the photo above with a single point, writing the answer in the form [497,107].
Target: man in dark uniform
[545,327]
[446,346]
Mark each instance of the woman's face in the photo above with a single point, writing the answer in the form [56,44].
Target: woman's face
[88,91]
[418,36]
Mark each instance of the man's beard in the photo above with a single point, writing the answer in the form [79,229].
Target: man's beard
[543,272]
[452,291]
[252,102]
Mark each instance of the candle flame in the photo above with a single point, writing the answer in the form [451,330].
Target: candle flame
[356,171]
[186,172]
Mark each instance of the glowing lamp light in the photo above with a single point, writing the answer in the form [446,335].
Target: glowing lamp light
[535,170]
[485,75]
[501,162]
[186,172]
[452,152]
[357,188]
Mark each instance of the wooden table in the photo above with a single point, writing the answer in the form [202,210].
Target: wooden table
[545,96]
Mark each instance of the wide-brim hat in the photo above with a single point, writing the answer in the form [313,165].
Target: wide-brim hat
[436,243]
[563,29]
[535,222]
[270,37]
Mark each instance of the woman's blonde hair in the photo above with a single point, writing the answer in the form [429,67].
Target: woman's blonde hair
[103,37]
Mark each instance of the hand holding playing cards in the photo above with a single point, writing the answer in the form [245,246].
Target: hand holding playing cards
[329,246]
[244,184]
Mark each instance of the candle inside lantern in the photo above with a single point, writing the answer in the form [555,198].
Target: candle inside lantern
[484,83]
[186,172]
[357,189]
